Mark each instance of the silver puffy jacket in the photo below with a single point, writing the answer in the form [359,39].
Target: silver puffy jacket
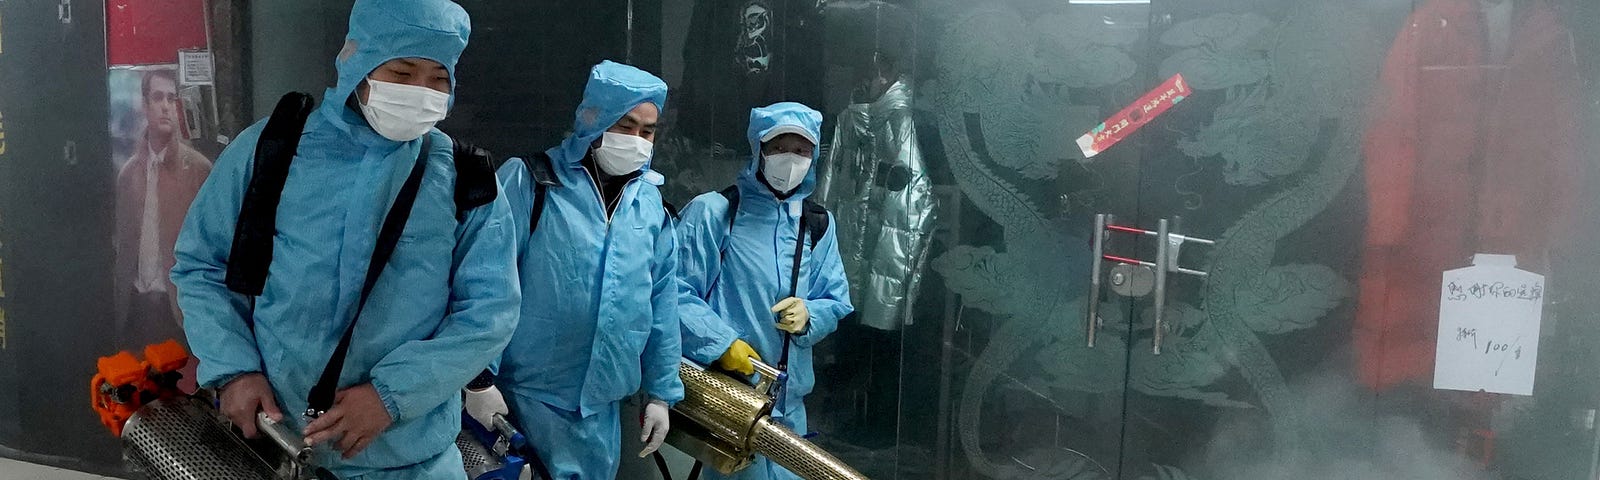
[876,185]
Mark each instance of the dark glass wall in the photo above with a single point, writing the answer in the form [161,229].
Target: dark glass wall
[55,223]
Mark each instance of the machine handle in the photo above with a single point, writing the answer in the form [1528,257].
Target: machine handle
[285,437]
[768,371]
[772,378]
[503,426]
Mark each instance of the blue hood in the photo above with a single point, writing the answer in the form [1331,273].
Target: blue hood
[613,90]
[383,30]
[765,119]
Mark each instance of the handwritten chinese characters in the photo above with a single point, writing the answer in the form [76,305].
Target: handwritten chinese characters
[1489,317]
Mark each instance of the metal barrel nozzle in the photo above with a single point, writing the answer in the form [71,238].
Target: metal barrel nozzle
[724,422]
[799,456]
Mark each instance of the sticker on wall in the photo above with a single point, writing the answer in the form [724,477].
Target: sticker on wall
[1135,116]
[1489,316]
[194,68]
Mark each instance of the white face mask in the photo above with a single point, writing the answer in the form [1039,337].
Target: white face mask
[622,154]
[785,171]
[402,112]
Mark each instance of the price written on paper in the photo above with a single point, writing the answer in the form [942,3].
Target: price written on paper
[1489,316]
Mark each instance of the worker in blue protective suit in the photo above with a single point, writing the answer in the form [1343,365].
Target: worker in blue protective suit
[599,271]
[736,301]
[443,307]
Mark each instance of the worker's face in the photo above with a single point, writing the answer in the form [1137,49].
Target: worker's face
[418,72]
[789,143]
[161,105]
[640,122]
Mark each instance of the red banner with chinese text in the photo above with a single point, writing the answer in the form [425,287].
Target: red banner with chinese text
[1130,119]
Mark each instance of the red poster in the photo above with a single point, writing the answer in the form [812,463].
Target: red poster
[1130,119]
[145,32]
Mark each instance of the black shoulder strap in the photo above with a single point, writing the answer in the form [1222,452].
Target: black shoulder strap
[394,223]
[672,210]
[794,277]
[251,252]
[813,223]
[543,172]
[476,185]
[814,216]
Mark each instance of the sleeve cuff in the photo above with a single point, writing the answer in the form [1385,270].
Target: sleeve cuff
[671,398]
[389,402]
[482,381]
[652,399]
[225,380]
[810,337]
[713,350]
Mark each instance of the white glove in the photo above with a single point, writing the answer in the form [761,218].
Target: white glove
[656,424]
[483,405]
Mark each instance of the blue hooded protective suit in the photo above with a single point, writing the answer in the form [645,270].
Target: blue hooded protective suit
[442,309]
[728,291]
[600,319]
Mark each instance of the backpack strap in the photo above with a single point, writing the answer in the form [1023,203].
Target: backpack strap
[813,215]
[732,194]
[394,223]
[251,252]
[542,169]
[815,218]
[476,184]
[543,172]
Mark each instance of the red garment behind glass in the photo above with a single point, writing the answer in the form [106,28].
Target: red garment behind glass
[1464,154]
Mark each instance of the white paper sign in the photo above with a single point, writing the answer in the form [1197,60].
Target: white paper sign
[1489,317]
[194,68]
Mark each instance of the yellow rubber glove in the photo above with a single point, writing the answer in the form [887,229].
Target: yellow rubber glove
[792,315]
[737,358]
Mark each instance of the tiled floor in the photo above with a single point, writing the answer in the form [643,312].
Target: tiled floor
[15,470]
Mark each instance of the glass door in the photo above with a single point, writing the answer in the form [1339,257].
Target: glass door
[1347,158]
[1034,377]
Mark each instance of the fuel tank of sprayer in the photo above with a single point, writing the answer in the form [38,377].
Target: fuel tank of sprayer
[168,434]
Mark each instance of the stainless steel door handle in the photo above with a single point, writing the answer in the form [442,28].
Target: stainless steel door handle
[1163,250]
[1169,246]
[1092,320]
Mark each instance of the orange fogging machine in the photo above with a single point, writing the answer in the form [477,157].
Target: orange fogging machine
[170,435]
